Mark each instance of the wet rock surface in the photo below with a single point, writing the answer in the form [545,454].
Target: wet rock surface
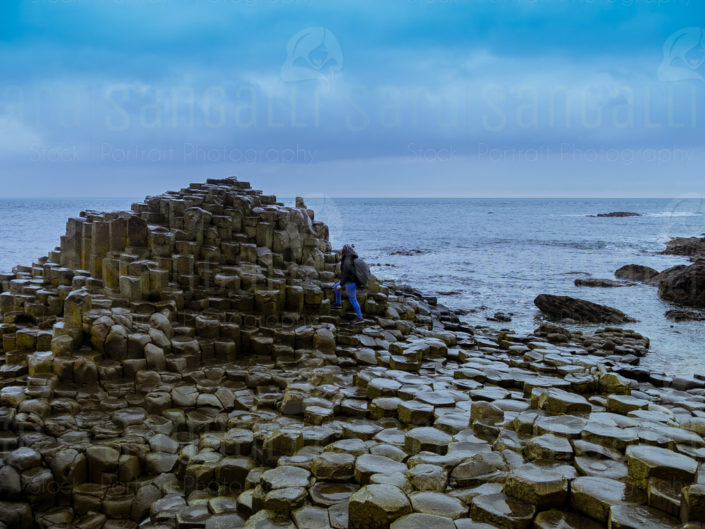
[178,366]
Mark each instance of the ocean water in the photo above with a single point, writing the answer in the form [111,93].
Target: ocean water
[484,255]
[497,255]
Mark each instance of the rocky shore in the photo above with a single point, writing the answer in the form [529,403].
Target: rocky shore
[179,366]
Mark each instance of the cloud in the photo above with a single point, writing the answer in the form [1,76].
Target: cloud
[134,85]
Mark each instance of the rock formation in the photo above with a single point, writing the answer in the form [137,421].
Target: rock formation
[579,310]
[178,366]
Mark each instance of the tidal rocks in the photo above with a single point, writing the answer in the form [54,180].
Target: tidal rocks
[635,272]
[684,284]
[565,307]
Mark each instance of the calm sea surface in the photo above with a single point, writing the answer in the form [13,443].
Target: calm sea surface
[490,255]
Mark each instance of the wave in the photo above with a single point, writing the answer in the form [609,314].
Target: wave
[675,214]
[554,243]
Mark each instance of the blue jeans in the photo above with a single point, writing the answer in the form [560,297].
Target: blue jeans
[351,291]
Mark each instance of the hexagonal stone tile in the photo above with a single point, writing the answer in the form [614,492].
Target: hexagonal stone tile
[650,461]
[603,468]
[549,446]
[426,439]
[377,506]
[417,520]
[285,476]
[640,517]
[326,493]
[564,520]
[333,466]
[538,486]
[596,496]
[438,503]
[502,511]
[558,401]
[368,464]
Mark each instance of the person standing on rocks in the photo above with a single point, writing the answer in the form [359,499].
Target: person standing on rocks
[349,281]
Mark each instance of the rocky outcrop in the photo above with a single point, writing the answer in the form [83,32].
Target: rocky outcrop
[579,310]
[684,284]
[617,214]
[688,246]
[635,272]
[192,376]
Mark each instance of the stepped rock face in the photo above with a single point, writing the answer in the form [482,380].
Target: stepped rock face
[179,366]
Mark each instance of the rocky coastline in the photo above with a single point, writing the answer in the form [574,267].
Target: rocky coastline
[178,366]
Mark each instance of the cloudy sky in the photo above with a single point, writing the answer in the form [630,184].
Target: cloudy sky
[353,98]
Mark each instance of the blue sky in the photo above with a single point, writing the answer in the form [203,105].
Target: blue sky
[393,98]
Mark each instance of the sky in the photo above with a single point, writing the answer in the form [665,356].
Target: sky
[353,98]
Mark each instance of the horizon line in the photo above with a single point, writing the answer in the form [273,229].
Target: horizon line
[690,196]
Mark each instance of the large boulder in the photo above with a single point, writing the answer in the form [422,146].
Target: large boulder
[565,307]
[635,272]
[684,284]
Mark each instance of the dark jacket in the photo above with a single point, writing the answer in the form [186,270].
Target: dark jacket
[347,269]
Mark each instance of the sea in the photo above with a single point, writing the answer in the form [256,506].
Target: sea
[481,255]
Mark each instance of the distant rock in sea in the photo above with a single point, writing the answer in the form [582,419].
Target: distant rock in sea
[580,310]
[617,214]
